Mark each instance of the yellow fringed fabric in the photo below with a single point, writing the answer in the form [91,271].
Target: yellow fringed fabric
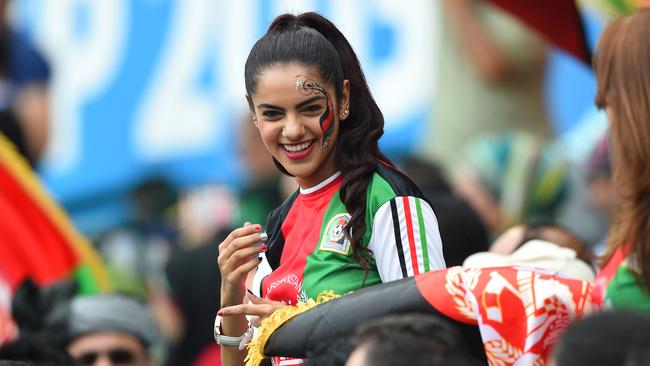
[274,321]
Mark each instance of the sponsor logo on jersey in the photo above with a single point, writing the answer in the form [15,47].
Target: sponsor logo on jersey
[288,289]
[334,239]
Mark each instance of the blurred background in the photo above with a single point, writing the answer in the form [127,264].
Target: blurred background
[135,120]
[153,89]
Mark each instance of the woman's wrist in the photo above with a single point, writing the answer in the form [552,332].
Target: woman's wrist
[230,298]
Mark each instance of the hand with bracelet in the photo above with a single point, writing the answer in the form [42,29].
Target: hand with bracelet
[257,307]
[238,260]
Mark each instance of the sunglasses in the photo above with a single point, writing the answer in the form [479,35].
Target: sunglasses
[116,356]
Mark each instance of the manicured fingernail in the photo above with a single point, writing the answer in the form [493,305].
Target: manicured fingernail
[263,236]
[220,312]
[258,227]
[264,247]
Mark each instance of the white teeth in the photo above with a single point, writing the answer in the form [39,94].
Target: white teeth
[299,147]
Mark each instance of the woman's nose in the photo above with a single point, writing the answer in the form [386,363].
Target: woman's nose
[294,128]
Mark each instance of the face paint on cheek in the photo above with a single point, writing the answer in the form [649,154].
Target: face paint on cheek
[326,123]
[326,120]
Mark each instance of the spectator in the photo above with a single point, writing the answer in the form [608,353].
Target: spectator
[412,339]
[542,245]
[548,231]
[24,76]
[334,352]
[490,75]
[590,200]
[606,339]
[623,87]
[33,351]
[640,354]
[512,178]
[101,328]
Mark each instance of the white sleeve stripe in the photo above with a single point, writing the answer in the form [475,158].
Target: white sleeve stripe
[406,228]
[398,256]
[383,245]
[413,247]
[407,219]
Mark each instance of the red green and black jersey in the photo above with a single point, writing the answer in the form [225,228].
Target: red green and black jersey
[308,252]
[619,284]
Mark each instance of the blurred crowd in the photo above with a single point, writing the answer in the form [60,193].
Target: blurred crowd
[506,190]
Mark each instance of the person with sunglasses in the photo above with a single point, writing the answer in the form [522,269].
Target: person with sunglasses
[108,330]
[109,348]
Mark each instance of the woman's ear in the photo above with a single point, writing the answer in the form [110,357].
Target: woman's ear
[252,109]
[344,104]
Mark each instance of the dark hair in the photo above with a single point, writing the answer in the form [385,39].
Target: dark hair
[640,354]
[334,352]
[411,339]
[311,40]
[606,338]
[33,351]
[539,230]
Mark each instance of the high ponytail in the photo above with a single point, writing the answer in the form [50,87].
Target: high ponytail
[312,40]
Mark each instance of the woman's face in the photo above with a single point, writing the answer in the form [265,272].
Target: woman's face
[289,103]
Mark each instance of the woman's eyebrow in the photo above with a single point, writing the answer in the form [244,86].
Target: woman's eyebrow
[299,105]
[310,100]
[269,106]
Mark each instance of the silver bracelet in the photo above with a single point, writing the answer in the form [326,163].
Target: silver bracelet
[225,340]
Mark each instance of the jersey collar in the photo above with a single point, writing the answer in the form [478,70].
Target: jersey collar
[320,185]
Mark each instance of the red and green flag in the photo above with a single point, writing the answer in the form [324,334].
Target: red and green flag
[37,239]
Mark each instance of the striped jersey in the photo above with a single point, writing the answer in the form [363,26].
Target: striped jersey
[308,252]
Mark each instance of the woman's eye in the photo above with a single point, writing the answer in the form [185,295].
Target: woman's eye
[313,108]
[271,114]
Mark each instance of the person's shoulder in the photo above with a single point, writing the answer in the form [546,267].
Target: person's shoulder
[388,183]
[387,177]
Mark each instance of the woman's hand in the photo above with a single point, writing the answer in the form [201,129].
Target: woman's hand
[237,257]
[259,308]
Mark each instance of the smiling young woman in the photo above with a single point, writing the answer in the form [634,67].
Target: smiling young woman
[355,221]
[289,120]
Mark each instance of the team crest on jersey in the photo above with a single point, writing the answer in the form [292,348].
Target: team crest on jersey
[334,239]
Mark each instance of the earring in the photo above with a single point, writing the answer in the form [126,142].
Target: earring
[254,117]
[345,112]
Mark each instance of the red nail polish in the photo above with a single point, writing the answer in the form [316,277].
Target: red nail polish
[257,227]
[220,312]
[264,247]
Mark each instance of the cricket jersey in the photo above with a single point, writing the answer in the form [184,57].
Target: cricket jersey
[308,252]
[619,284]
